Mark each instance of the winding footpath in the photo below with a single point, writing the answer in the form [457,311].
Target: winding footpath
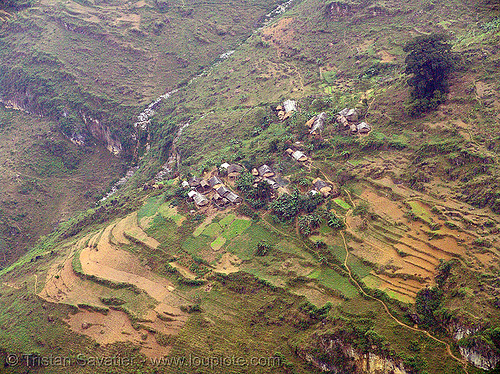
[462,362]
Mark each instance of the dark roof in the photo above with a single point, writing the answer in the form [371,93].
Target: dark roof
[223,190]
[214,181]
[264,169]
[319,184]
[234,168]
[195,181]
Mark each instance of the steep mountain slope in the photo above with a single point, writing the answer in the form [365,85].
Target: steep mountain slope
[395,271]
[88,68]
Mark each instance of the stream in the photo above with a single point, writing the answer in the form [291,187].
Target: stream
[144,118]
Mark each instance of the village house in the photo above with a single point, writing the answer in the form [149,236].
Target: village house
[198,198]
[226,193]
[203,187]
[265,171]
[222,190]
[215,182]
[317,124]
[321,186]
[363,128]
[274,185]
[194,182]
[185,184]
[233,198]
[234,170]
[297,155]
[219,201]
[285,110]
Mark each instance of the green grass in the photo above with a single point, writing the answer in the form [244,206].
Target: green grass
[168,211]
[237,228]
[244,246]
[218,243]
[342,204]
[420,210]
[226,221]
[193,245]
[212,230]
[331,279]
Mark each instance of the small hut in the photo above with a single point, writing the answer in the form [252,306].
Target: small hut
[318,124]
[363,128]
[185,184]
[352,115]
[194,182]
[255,172]
[222,190]
[321,186]
[274,185]
[225,165]
[220,201]
[198,198]
[214,182]
[299,156]
[234,170]
[233,198]
[266,171]
[203,187]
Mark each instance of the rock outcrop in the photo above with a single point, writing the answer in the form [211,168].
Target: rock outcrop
[336,354]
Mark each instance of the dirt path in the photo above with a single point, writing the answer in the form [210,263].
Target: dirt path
[362,291]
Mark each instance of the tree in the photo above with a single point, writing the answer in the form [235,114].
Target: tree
[427,302]
[429,62]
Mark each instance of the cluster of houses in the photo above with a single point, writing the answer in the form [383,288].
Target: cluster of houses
[214,189]
[206,191]
[349,119]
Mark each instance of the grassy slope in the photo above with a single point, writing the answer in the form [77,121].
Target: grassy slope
[45,179]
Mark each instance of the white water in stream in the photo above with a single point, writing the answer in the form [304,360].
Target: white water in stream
[144,118]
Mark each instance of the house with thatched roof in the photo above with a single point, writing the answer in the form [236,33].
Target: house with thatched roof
[265,171]
[194,182]
[215,182]
[321,186]
[219,201]
[234,170]
[222,190]
[198,198]
[299,156]
[351,115]
[290,106]
[318,124]
[233,198]
[203,187]
[363,128]
[274,185]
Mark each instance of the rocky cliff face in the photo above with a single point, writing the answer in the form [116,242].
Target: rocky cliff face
[94,127]
[336,355]
[102,133]
[476,351]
